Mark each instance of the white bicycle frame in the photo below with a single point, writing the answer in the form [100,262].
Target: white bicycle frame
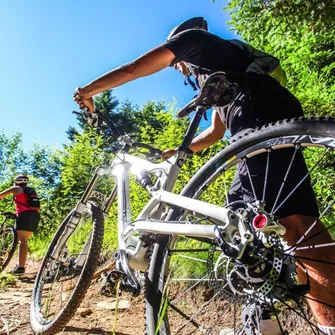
[152,220]
[147,222]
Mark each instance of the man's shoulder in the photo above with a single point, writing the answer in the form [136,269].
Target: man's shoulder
[197,34]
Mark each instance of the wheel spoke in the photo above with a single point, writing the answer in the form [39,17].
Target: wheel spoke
[192,258]
[194,323]
[266,174]
[299,306]
[306,297]
[191,319]
[301,181]
[303,237]
[209,330]
[173,251]
[315,246]
[189,289]
[273,210]
[310,259]
[292,248]
[293,310]
[58,276]
[250,180]
[277,317]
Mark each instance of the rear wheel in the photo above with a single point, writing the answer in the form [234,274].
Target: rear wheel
[195,288]
[8,243]
[62,282]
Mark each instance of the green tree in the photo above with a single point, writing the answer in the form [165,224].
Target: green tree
[12,157]
[301,34]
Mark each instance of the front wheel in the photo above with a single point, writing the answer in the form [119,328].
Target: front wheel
[195,288]
[8,243]
[62,281]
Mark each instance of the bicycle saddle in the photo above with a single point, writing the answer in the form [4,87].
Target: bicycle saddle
[216,91]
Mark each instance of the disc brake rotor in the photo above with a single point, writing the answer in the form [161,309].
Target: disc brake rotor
[238,282]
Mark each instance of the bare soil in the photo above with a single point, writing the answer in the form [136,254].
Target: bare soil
[15,305]
[95,316]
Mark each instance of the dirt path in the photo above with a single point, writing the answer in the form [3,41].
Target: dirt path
[15,304]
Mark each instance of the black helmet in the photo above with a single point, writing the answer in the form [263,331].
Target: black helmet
[193,23]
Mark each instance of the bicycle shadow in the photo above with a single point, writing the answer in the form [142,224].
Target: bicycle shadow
[27,278]
[99,331]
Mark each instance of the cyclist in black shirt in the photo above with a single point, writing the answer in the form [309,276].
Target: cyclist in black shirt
[262,98]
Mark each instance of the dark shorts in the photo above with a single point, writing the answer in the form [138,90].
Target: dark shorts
[261,101]
[28,221]
[301,201]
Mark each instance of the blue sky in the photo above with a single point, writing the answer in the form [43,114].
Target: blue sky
[48,48]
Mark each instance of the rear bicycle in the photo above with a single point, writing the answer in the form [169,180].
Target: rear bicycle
[8,241]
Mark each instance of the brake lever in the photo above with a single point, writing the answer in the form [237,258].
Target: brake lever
[91,119]
[96,118]
[81,114]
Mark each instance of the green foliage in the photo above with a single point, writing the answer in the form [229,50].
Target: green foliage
[7,278]
[301,34]
[12,157]
[38,244]
[12,163]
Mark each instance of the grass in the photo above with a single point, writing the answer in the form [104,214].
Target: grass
[38,247]
[7,278]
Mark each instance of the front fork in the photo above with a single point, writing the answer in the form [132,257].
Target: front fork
[74,218]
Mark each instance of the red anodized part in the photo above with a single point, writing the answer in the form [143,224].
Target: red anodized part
[260,221]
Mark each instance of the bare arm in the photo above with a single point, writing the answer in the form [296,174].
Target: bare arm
[205,139]
[15,190]
[210,135]
[149,63]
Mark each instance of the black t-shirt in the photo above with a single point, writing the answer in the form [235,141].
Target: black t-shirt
[207,51]
[261,100]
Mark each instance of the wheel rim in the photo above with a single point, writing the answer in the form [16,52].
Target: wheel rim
[189,312]
[7,241]
[58,278]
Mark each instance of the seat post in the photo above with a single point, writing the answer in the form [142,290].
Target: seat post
[199,112]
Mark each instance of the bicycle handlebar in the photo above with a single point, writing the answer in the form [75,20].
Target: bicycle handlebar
[8,215]
[94,120]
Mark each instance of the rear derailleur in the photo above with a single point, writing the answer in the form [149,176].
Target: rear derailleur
[121,275]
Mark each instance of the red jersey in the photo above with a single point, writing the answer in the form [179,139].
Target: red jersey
[21,203]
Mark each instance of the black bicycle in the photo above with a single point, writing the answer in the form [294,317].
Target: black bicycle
[8,240]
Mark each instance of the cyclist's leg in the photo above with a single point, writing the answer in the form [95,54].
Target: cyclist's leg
[26,225]
[23,237]
[320,274]
[297,213]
